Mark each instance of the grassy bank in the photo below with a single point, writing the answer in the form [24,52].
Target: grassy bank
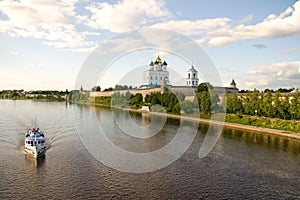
[279,124]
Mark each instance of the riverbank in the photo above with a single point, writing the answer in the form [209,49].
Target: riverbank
[281,133]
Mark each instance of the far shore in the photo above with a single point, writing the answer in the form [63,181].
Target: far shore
[281,133]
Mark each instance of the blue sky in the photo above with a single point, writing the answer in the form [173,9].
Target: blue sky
[44,43]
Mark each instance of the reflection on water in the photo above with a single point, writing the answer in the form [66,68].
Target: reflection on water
[264,140]
[242,165]
[34,163]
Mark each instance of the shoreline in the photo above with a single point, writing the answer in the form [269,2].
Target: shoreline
[282,133]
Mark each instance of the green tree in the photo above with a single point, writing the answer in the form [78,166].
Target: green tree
[180,96]
[205,102]
[96,88]
[204,87]
[283,108]
[233,104]
[267,105]
[293,108]
[187,106]
[214,101]
[136,100]
[108,89]
[298,105]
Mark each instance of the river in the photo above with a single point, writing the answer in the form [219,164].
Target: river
[241,165]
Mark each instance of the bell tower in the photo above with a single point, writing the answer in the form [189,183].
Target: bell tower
[192,77]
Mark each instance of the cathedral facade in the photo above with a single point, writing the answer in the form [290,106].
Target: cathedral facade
[156,74]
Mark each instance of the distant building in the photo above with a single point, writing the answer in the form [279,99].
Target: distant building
[231,89]
[156,74]
[156,79]
[192,77]
[233,84]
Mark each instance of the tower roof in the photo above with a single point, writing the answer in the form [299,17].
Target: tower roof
[193,69]
[158,60]
[232,82]
[165,63]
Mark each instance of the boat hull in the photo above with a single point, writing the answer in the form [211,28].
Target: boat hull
[35,152]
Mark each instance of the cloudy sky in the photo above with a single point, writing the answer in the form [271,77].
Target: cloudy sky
[44,43]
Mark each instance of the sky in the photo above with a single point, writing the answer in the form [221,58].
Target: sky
[44,44]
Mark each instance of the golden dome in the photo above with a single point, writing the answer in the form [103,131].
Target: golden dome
[158,59]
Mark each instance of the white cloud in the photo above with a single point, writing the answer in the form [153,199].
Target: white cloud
[285,24]
[47,20]
[125,15]
[56,22]
[189,27]
[285,74]
[222,31]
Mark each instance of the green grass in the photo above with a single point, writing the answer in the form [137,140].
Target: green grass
[280,124]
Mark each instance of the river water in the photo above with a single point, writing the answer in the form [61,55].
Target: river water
[241,165]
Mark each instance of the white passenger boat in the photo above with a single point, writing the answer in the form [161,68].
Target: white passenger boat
[35,142]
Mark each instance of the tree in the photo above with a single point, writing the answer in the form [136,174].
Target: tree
[285,89]
[293,108]
[205,102]
[108,89]
[122,87]
[214,101]
[96,88]
[283,108]
[267,106]
[233,104]
[180,96]
[204,87]
[252,103]
[298,105]
[187,106]
[136,99]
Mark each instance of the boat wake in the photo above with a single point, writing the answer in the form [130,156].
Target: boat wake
[13,128]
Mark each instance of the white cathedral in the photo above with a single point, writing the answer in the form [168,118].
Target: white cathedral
[158,73]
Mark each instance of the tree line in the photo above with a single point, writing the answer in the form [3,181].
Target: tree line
[206,100]
[267,104]
[116,88]
[39,94]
